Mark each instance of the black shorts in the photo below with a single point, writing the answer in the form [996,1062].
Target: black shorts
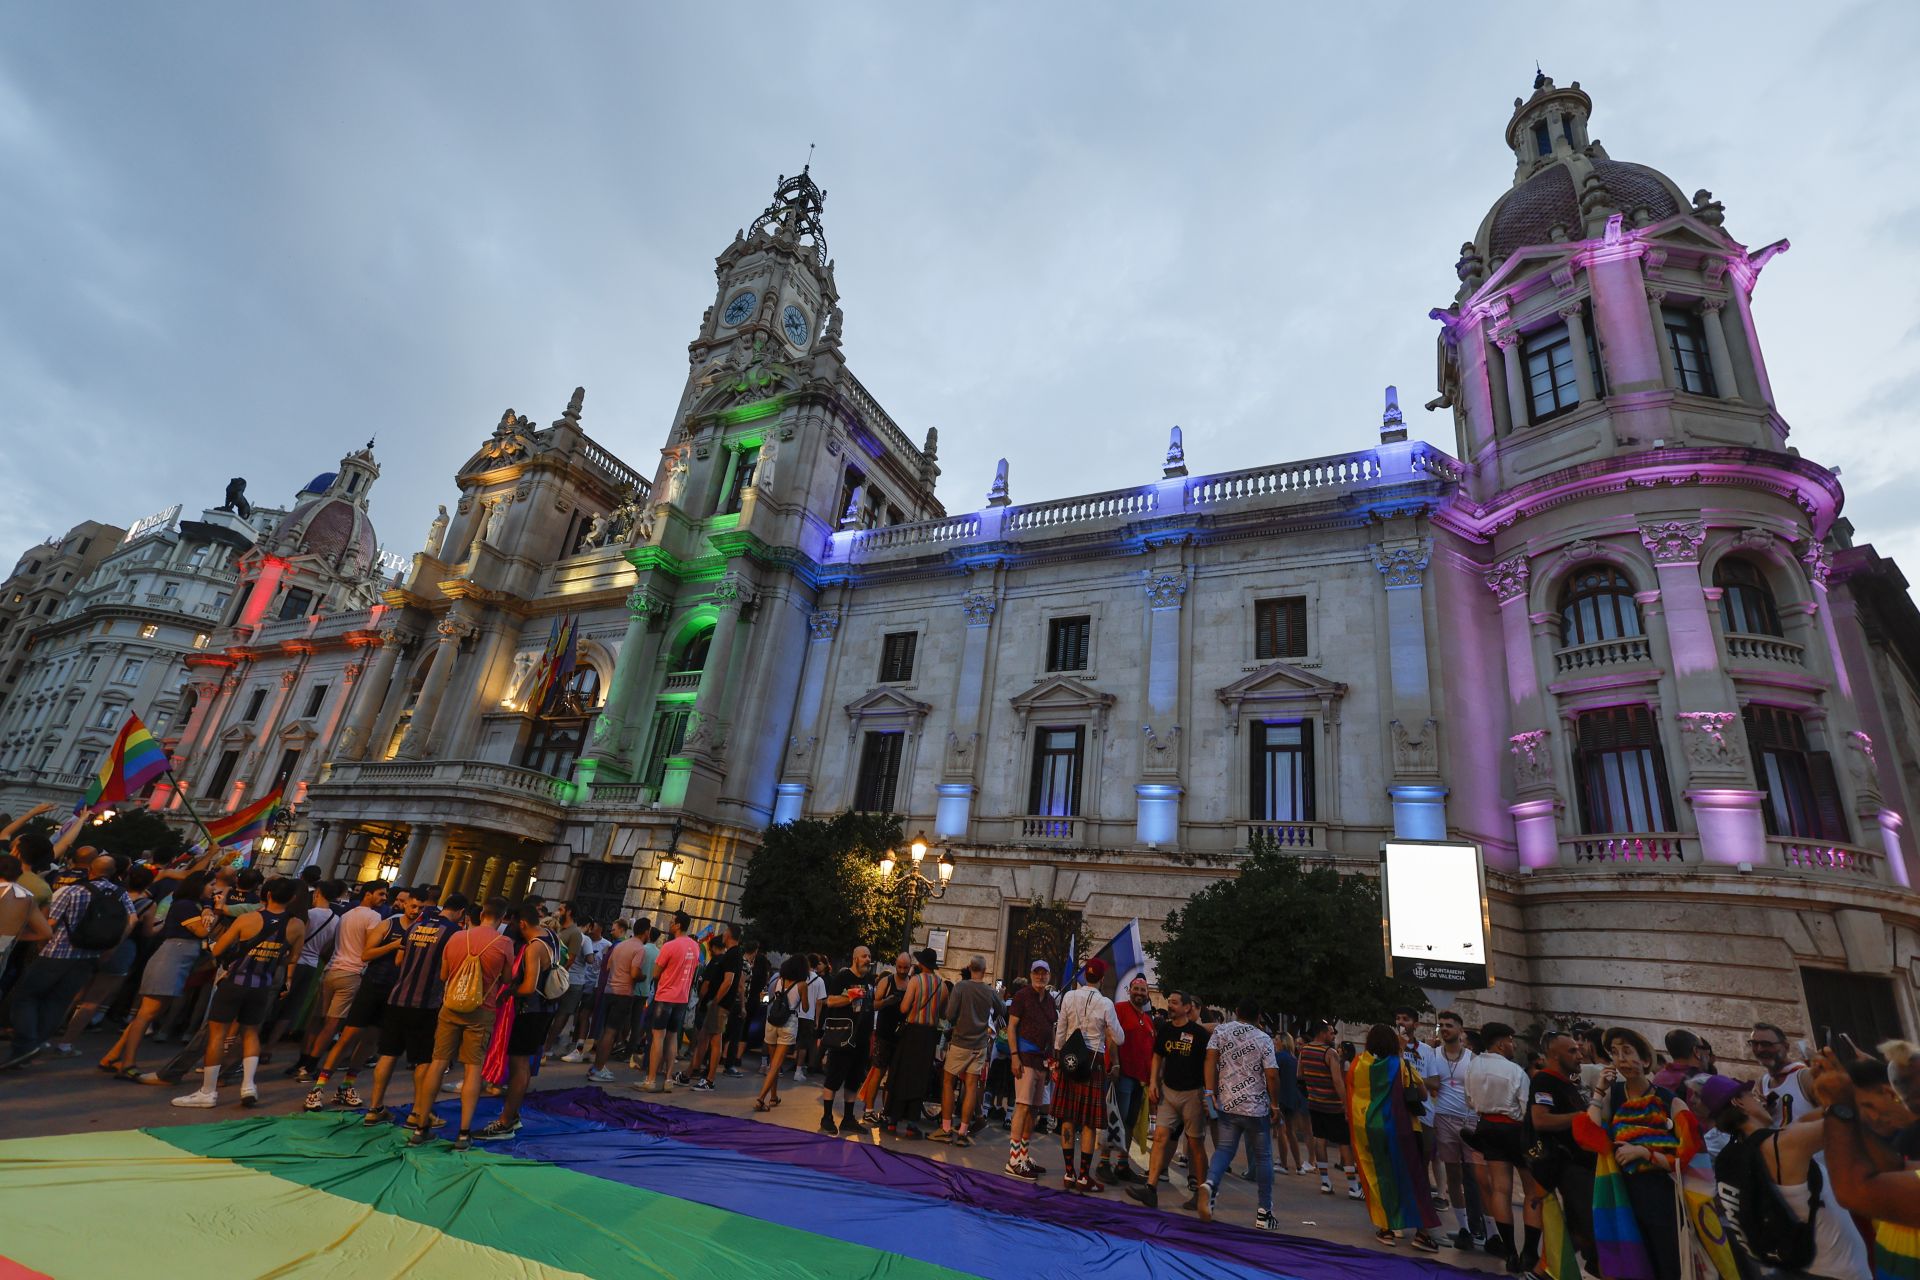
[617,1016]
[846,1068]
[1331,1126]
[247,1006]
[529,1033]
[1499,1141]
[408,1031]
[369,1002]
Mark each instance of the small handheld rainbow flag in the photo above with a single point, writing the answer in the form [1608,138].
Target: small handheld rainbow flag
[242,826]
[133,761]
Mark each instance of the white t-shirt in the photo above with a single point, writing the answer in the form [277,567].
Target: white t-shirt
[816,992]
[355,926]
[584,971]
[1451,1075]
[1497,1087]
[1245,1056]
[319,934]
[1787,1101]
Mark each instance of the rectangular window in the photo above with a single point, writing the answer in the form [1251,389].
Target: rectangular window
[169,590]
[669,735]
[879,776]
[222,774]
[745,463]
[1280,628]
[1281,772]
[1622,773]
[553,749]
[315,699]
[255,701]
[200,640]
[1057,757]
[896,656]
[850,485]
[1552,388]
[298,604]
[1803,796]
[130,670]
[289,761]
[1067,643]
[1860,1005]
[93,665]
[149,630]
[1686,339]
[107,717]
[198,556]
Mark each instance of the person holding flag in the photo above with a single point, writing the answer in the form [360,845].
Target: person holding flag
[1383,1089]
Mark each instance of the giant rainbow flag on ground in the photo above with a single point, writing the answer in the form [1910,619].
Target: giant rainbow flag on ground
[133,761]
[591,1186]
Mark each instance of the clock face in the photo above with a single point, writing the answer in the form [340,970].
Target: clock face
[740,308]
[794,320]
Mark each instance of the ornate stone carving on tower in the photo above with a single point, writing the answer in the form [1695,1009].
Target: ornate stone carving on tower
[1176,463]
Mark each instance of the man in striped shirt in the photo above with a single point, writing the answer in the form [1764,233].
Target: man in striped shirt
[412,1014]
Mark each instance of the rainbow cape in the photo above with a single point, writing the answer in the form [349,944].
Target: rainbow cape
[245,824]
[1386,1147]
[133,761]
[1616,1232]
[594,1185]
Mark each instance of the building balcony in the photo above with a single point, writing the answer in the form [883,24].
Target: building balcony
[1052,828]
[1581,659]
[1654,850]
[477,792]
[1629,851]
[1823,858]
[1768,650]
[1291,837]
[681,682]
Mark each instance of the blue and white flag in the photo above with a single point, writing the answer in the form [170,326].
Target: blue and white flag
[1125,956]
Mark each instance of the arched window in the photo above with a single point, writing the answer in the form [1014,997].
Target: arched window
[1597,604]
[580,694]
[1746,602]
[694,656]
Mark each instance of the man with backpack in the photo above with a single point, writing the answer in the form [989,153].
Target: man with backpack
[1087,1025]
[474,968]
[536,998]
[256,952]
[88,921]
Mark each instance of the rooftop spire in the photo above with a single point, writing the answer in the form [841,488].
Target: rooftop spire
[794,214]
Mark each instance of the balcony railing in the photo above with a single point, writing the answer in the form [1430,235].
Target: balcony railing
[1290,835]
[1822,857]
[467,776]
[1622,652]
[680,681]
[1748,648]
[1629,850]
[1049,827]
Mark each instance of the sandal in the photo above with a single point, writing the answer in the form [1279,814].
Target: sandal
[1425,1243]
[134,1074]
[111,1068]
[760,1104]
[1386,1237]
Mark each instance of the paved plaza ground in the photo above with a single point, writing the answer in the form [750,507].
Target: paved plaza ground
[60,1096]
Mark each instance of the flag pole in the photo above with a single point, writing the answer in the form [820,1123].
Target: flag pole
[180,789]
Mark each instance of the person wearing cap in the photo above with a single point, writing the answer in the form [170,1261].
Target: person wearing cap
[1082,1104]
[1031,1016]
[1738,1109]
[913,1052]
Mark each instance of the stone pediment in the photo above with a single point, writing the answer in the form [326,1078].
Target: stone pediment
[1060,693]
[887,702]
[298,732]
[1281,683]
[237,735]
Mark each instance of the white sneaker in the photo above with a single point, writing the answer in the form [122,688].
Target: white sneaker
[600,1076]
[574,1056]
[799,1075]
[202,1098]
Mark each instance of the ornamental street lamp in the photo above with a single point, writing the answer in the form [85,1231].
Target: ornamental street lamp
[670,864]
[280,826]
[913,883]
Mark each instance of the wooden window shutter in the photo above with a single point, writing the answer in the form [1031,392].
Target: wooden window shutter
[1826,797]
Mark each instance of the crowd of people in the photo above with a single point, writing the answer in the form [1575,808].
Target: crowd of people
[1589,1127]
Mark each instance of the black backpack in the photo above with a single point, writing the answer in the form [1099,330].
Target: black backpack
[104,922]
[1076,1057]
[1757,1216]
[779,1009]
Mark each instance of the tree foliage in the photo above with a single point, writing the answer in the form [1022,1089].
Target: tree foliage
[814,885]
[1052,932]
[1299,937]
[135,833]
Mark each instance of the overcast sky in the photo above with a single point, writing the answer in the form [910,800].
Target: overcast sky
[238,241]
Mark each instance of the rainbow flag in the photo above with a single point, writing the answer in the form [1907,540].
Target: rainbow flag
[242,826]
[1386,1146]
[134,761]
[1616,1232]
[557,661]
[595,1186]
[1559,1256]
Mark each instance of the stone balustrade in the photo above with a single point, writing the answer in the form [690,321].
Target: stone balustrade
[1602,653]
[461,775]
[1096,506]
[1630,851]
[1290,836]
[952,529]
[1336,471]
[1772,649]
[1050,827]
[1822,857]
[681,682]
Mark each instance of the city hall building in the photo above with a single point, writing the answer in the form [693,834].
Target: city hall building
[1620,637]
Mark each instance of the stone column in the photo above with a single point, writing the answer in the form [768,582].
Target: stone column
[1537,801]
[426,852]
[796,775]
[331,844]
[1717,352]
[1519,415]
[1656,299]
[1577,339]
[1157,794]
[369,694]
[730,595]
[446,652]
[1419,799]
[623,712]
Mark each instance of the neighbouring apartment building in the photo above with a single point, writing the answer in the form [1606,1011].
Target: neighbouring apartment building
[1622,638]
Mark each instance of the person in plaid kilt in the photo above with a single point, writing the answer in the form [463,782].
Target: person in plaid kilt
[1082,1104]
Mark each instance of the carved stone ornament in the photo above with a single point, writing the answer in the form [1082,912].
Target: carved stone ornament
[1160,745]
[1415,751]
[1403,563]
[229,684]
[960,752]
[824,624]
[1753,540]
[390,634]
[454,629]
[465,504]
[1712,741]
[699,739]
[1508,579]
[1580,549]
[353,671]
[1819,563]
[1866,771]
[833,443]
[288,679]
[731,590]
[1674,541]
[1164,590]
[800,753]
[1532,760]
[642,603]
[978,607]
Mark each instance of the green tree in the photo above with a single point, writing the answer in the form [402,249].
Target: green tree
[134,833]
[1299,937]
[814,885]
[1050,928]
